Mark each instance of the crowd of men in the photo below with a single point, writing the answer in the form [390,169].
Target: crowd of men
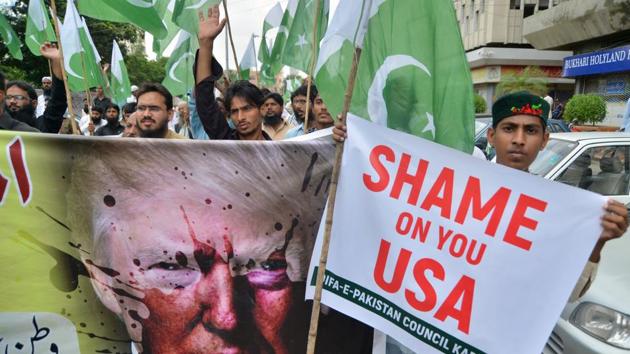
[247,112]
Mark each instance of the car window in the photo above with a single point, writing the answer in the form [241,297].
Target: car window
[555,151]
[604,170]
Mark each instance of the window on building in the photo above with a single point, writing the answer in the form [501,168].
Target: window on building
[543,5]
[529,10]
[472,7]
[515,4]
[466,26]
[482,4]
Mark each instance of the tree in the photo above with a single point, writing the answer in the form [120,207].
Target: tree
[141,69]
[530,79]
[585,109]
[32,67]
[480,104]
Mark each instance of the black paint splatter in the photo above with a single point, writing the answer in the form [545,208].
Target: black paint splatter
[109,200]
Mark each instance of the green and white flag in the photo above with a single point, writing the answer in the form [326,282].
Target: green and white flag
[39,29]
[186,13]
[165,9]
[119,82]
[298,50]
[81,59]
[248,61]
[179,76]
[413,75]
[9,38]
[272,20]
[281,38]
[137,12]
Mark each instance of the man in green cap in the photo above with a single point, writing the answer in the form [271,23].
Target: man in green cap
[518,133]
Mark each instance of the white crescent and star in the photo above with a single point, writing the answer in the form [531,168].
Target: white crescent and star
[376,106]
[171,73]
[142,3]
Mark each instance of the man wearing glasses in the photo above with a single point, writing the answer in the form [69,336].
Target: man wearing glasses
[154,111]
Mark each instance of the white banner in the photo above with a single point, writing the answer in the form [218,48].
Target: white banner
[448,253]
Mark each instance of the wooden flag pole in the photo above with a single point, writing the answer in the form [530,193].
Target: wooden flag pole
[229,28]
[311,66]
[323,258]
[73,123]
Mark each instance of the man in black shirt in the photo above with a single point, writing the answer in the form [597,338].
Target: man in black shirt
[113,127]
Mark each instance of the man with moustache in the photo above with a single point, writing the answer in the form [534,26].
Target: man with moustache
[113,126]
[298,105]
[243,100]
[42,99]
[318,120]
[153,112]
[21,98]
[273,123]
[96,121]
[6,121]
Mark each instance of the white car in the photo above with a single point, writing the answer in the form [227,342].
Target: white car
[599,322]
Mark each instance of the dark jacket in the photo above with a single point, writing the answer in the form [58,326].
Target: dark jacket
[213,121]
[51,120]
[8,123]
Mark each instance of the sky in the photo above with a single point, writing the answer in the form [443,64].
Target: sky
[246,17]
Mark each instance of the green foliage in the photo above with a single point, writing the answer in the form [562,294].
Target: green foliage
[480,104]
[530,79]
[32,68]
[141,69]
[585,109]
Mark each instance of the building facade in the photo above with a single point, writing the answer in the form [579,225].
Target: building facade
[492,34]
[598,32]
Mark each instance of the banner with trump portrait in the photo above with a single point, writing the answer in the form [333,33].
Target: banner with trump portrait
[142,245]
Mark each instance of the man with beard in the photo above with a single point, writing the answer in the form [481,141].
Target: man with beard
[21,98]
[113,126]
[154,111]
[319,117]
[298,105]
[95,122]
[273,123]
[42,99]
[243,100]
[6,121]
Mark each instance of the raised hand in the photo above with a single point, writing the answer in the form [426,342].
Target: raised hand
[209,28]
[50,51]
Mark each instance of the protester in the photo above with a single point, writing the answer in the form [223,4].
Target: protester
[100,100]
[196,126]
[321,118]
[21,98]
[6,121]
[95,122]
[298,105]
[273,123]
[128,109]
[131,126]
[243,99]
[154,111]
[42,99]
[183,126]
[113,126]
[518,133]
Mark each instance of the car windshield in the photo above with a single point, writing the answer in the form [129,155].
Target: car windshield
[554,152]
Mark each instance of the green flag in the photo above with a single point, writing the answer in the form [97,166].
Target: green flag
[186,13]
[248,61]
[39,29]
[424,89]
[272,20]
[91,57]
[119,82]
[165,9]
[179,76]
[73,51]
[298,50]
[281,38]
[9,38]
[137,12]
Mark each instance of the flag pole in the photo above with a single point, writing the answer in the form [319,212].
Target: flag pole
[323,258]
[255,56]
[311,66]
[73,123]
[229,27]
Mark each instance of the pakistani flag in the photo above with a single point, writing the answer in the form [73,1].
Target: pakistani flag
[272,20]
[248,60]
[39,29]
[81,60]
[137,12]
[298,50]
[165,10]
[413,74]
[120,85]
[186,13]
[179,76]
[9,38]
[281,38]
